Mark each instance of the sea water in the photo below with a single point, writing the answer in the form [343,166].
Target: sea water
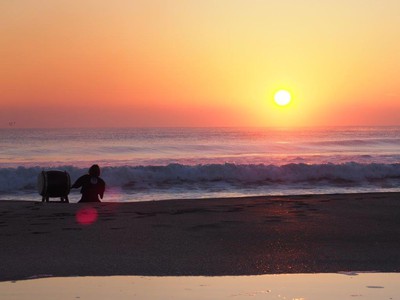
[169,163]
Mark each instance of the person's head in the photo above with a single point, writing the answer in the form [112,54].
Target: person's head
[94,171]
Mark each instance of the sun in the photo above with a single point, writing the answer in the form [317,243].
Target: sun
[282,97]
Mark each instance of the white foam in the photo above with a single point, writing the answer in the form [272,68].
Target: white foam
[239,175]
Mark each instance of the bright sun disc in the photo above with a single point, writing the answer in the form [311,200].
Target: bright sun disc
[282,97]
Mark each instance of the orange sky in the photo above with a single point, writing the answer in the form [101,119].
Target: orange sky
[199,63]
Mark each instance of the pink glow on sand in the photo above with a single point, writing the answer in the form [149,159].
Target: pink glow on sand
[86,216]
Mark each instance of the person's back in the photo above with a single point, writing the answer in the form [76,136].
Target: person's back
[92,186]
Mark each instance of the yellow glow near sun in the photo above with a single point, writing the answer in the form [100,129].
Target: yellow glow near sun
[282,97]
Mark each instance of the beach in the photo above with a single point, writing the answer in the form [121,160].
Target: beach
[346,286]
[232,149]
[202,237]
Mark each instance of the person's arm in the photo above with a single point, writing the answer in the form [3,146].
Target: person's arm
[78,183]
[102,189]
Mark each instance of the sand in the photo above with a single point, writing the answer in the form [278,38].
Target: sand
[365,286]
[235,236]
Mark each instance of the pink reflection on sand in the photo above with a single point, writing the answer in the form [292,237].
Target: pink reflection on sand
[86,216]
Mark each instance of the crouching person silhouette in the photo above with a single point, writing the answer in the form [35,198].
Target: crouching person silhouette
[92,186]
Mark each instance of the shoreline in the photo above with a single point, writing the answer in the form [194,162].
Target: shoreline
[302,286]
[324,233]
[243,197]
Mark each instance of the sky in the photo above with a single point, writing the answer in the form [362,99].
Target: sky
[97,63]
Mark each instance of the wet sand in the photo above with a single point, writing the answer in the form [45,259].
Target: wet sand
[235,236]
[366,286]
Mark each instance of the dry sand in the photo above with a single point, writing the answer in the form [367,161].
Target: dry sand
[236,236]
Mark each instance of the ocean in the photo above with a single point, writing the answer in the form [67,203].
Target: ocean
[140,164]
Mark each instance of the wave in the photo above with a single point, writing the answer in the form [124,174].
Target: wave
[358,142]
[245,175]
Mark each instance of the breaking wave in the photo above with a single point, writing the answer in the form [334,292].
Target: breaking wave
[238,175]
